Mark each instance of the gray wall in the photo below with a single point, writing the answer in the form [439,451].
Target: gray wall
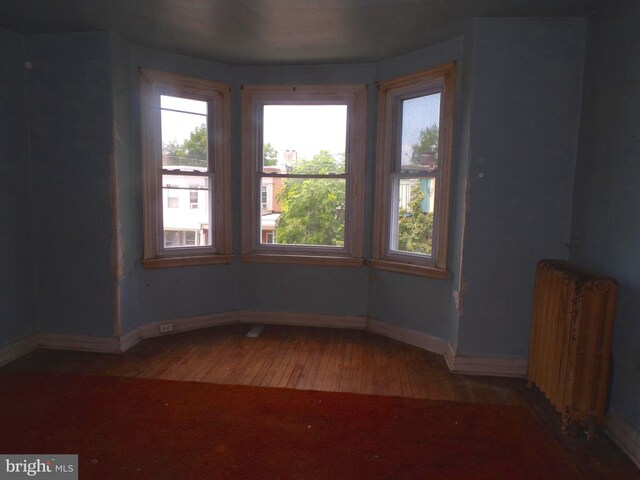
[606,216]
[523,129]
[71,119]
[17,272]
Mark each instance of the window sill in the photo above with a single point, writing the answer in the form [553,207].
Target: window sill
[169,262]
[411,269]
[304,260]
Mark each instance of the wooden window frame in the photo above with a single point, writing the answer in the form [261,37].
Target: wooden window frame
[254,98]
[153,84]
[441,79]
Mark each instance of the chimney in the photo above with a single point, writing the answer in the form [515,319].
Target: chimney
[290,156]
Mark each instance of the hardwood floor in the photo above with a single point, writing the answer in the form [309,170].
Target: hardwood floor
[325,359]
[292,357]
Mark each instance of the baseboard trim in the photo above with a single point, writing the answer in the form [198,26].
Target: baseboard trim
[489,365]
[85,343]
[57,341]
[450,356]
[624,435]
[302,319]
[185,324]
[407,335]
[17,349]
[457,363]
[149,330]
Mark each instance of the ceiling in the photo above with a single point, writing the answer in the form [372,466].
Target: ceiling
[262,32]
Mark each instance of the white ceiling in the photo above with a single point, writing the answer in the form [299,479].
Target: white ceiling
[277,31]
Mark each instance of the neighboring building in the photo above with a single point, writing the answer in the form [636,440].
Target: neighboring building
[427,184]
[290,157]
[186,213]
[185,201]
[269,204]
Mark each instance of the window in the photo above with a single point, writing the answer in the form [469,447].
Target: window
[303,173]
[172,202]
[415,123]
[193,199]
[186,170]
[178,238]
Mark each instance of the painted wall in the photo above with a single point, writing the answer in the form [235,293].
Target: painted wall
[523,128]
[17,273]
[71,118]
[606,216]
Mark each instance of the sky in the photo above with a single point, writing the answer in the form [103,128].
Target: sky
[307,129]
[417,114]
[178,126]
[304,128]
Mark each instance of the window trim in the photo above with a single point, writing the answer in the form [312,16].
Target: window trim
[154,83]
[254,97]
[440,79]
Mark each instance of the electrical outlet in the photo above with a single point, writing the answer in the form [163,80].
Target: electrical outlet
[167,327]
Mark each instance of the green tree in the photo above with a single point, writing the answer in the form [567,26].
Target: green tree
[415,228]
[270,155]
[427,144]
[313,208]
[192,151]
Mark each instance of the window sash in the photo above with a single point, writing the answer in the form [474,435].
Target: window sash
[394,212]
[207,173]
[188,249]
[255,98]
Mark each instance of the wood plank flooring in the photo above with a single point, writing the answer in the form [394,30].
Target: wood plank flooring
[282,356]
[325,359]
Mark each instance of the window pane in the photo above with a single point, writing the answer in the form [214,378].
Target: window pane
[305,211]
[184,135]
[420,134]
[183,104]
[186,214]
[412,217]
[294,134]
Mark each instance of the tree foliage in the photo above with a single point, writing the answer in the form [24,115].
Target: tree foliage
[270,155]
[415,228]
[313,209]
[427,144]
[192,151]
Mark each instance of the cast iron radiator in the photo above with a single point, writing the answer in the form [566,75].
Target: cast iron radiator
[570,344]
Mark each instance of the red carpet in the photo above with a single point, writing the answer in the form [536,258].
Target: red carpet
[125,428]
